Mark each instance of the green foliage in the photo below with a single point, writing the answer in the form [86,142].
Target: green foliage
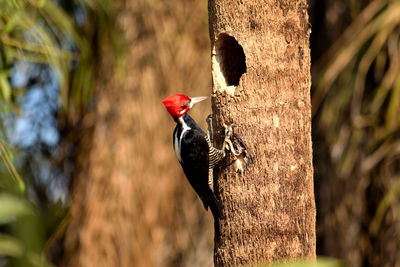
[33,30]
[26,239]
[7,157]
[362,79]
[356,104]
[12,207]
[44,32]
[22,225]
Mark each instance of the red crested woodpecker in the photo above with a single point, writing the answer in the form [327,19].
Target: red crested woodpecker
[194,149]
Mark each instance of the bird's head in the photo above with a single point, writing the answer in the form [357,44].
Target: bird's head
[178,105]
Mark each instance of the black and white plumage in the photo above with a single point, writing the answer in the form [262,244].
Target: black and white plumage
[198,157]
[194,149]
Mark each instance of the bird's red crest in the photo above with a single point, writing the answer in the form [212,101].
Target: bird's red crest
[177,105]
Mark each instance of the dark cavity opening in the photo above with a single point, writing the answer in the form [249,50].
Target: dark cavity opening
[231,57]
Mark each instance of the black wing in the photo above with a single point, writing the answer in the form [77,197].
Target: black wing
[195,160]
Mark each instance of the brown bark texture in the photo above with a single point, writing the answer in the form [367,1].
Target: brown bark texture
[261,84]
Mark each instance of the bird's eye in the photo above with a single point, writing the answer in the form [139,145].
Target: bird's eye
[187,103]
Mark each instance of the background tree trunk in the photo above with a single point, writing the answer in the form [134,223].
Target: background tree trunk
[261,83]
[131,203]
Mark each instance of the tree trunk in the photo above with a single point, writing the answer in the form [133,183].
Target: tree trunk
[261,84]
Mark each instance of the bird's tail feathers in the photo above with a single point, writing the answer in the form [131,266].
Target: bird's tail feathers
[214,206]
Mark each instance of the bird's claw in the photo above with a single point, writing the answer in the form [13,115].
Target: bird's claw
[228,130]
[227,140]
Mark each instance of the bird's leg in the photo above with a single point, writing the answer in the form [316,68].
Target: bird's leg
[227,141]
[209,133]
[216,155]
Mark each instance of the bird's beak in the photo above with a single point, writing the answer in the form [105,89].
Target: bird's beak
[196,99]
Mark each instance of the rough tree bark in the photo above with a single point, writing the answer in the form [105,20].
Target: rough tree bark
[261,83]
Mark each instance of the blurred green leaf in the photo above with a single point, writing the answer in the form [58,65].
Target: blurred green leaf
[7,157]
[10,155]
[37,260]
[13,247]
[384,205]
[5,87]
[392,117]
[5,109]
[12,207]
[41,3]
[10,246]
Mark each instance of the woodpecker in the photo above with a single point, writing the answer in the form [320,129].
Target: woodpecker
[194,149]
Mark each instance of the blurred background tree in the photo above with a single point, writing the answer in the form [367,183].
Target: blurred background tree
[131,54]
